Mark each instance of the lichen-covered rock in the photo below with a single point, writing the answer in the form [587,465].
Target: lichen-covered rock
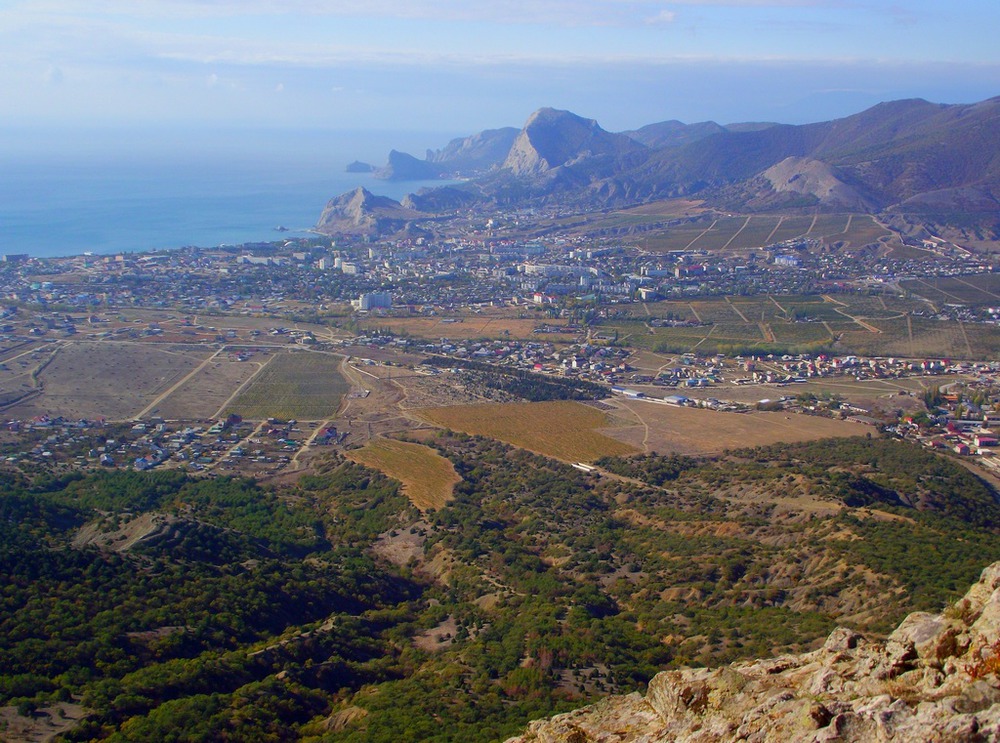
[936,678]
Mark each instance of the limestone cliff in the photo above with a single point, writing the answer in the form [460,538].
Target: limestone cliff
[476,154]
[551,139]
[405,167]
[936,678]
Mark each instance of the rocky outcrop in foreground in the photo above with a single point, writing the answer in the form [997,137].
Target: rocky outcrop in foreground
[936,678]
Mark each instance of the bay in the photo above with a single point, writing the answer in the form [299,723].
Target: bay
[59,202]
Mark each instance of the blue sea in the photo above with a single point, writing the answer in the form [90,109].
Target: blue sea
[61,198]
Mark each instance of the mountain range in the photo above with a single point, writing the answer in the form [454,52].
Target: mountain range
[910,157]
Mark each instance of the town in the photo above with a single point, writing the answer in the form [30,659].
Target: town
[601,312]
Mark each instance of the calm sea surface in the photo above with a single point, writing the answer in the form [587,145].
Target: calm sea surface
[52,205]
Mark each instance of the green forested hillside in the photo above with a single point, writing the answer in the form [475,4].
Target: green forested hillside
[217,609]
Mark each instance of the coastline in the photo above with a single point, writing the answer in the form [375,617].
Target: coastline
[59,208]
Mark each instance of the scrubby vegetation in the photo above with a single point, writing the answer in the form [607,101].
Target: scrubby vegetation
[333,610]
[519,384]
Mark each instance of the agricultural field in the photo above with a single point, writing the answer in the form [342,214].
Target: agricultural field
[715,312]
[918,337]
[847,323]
[665,428]
[869,393]
[116,381]
[206,392]
[829,226]
[743,233]
[569,431]
[18,361]
[428,478]
[790,228]
[798,334]
[864,230]
[983,289]
[471,326]
[297,385]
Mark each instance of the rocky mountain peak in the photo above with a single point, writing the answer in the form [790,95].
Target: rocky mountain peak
[936,678]
[552,138]
[362,212]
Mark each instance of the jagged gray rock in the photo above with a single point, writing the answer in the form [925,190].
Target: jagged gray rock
[360,212]
[552,139]
[935,678]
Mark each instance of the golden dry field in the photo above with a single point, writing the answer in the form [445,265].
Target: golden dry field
[428,478]
[665,428]
[569,431]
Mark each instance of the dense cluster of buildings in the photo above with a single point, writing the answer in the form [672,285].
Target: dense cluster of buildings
[268,276]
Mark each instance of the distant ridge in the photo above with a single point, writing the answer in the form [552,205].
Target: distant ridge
[907,157]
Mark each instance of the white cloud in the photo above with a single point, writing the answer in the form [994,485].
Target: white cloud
[558,13]
[664,16]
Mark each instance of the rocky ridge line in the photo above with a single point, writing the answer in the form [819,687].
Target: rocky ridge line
[935,678]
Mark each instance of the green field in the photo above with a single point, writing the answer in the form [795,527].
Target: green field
[791,228]
[983,289]
[297,385]
[739,233]
[863,324]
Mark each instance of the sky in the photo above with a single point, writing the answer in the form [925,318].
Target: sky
[198,67]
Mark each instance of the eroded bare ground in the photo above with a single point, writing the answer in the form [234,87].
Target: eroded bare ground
[439,637]
[40,725]
[428,392]
[403,546]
